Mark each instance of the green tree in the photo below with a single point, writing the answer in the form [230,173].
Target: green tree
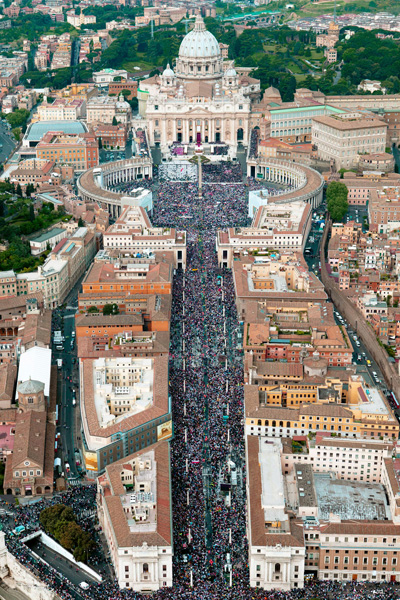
[114,121]
[336,196]
[100,143]
[93,309]
[110,309]
[18,191]
[81,222]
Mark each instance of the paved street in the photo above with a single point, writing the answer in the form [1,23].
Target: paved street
[63,565]
[68,383]
[7,140]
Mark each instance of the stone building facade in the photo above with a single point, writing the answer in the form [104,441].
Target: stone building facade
[205,100]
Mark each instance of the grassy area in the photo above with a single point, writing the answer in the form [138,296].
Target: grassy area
[310,9]
[314,10]
[300,77]
[317,55]
[294,67]
[129,66]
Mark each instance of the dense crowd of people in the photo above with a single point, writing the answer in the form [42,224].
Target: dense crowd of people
[254,139]
[206,385]
[222,172]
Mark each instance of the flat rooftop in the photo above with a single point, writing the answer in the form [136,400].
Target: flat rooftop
[284,217]
[272,496]
[372,402]
[350,499]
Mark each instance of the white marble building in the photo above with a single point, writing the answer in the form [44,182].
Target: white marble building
[203,101]
[134,510]
[276,541]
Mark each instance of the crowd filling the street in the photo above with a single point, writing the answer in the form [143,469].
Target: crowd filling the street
[206,386]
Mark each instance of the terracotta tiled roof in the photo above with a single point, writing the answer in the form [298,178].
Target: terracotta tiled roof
[365,527]
[8,376]
[30,434]
[163,534]
[394,484]
[278,369]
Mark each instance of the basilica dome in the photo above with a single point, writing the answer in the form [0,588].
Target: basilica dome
[199,43]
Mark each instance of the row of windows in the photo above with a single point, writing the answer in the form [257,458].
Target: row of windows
[31,473]
[365,561]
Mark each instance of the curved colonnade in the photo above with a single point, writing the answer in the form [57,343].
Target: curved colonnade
[94,185]
[308,184]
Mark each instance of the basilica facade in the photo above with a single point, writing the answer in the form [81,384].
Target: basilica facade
[203,100]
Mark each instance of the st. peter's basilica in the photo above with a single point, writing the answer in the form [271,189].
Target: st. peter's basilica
[204,100]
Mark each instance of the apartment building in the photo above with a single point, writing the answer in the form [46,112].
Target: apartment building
[111,136]
[12,11]
[294,341]
[42,57]
[359,188]
[350,460]
[384,209]
[103,109]
[62,55]
[391,116]
[135,512]
[78,249]
[370,306]
[343,137]
[136,278]
[136,408]
[364,415]
[55,278]
[275,226]
[79,151]
[33,170]
[161,16]
[285,277]
[363,551]
[144,333]
[62,109]
[133,232]
[79,20]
